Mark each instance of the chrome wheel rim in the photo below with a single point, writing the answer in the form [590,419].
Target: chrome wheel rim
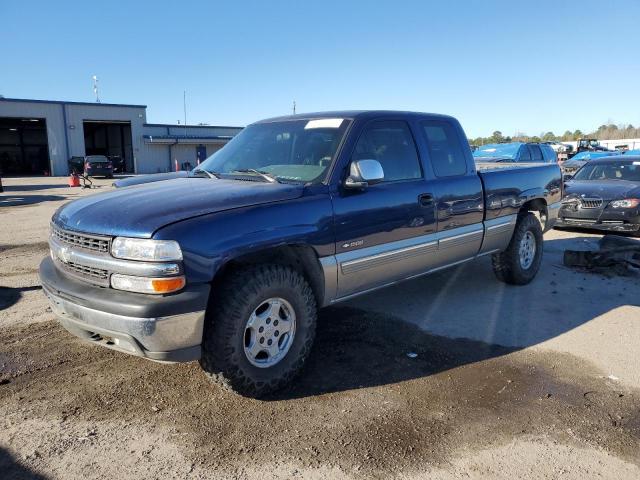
[269,332]
[527,250]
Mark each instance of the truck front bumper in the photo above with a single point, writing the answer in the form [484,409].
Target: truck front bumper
[162,328]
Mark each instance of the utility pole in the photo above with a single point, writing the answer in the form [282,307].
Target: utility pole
[294,107]
[95,88]
[184,102]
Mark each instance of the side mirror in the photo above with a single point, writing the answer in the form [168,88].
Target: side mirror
[363,173]
[567,177]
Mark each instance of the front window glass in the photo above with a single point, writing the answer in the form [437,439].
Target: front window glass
[609,171]
[390,142]
[290,151]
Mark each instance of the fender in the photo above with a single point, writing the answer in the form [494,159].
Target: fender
[208,242]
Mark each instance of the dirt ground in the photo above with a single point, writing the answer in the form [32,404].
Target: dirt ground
[504,382]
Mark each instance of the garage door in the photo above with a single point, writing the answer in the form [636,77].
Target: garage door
[23,146]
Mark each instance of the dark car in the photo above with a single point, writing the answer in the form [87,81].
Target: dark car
[98,166]
[76,164]
[605,195]
[515,152]
[230,264]
[570,167]
[118,163]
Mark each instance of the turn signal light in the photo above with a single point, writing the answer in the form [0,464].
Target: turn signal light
[167,285]
[146,284]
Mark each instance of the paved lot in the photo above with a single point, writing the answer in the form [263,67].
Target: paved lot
[539,381]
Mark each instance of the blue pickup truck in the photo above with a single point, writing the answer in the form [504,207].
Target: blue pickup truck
[229,265]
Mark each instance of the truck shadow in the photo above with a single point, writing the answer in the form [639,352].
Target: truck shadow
[455,317]
[33,188]
[23,200]
[9,296]
[12,469]
[359,349]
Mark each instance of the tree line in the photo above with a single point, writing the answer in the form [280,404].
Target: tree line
[604,132]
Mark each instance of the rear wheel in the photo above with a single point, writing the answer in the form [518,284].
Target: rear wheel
[259,330]
[520,262]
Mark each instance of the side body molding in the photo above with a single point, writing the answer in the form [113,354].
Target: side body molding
[353,273]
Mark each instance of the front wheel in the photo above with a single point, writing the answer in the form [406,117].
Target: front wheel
[520,262]
[259,329]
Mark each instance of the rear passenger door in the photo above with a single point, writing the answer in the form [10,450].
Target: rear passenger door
[457,190]
[385,232]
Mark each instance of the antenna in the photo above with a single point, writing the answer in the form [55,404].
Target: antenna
[95,88]
[184,104]
[294,107]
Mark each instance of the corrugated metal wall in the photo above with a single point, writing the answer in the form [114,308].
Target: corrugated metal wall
[52,113]
[67,140]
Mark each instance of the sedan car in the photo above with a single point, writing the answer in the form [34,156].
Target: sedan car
[571,166]
[98,165]
[515,152]
[604,194]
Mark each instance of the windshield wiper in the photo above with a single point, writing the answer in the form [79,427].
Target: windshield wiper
[267,176]
[199,171]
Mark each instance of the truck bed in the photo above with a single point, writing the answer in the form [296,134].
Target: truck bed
[508,186]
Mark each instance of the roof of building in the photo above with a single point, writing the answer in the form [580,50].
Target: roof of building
[176,125]
[63,102]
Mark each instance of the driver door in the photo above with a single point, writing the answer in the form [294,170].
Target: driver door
[385,232]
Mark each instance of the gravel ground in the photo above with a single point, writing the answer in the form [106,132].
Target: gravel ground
[539,381]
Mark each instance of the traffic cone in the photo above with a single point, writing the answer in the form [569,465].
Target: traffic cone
[74,180]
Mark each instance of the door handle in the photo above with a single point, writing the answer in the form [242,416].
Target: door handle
[425,200]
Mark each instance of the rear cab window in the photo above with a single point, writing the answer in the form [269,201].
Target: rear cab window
[445,150]
[536,153]
[525,154]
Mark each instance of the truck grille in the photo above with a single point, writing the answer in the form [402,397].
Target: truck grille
[84,270]
[591,202]
[82,240]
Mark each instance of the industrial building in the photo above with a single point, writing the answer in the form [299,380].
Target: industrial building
[39,137]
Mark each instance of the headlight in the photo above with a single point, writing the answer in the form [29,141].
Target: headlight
[145,249]
[627,203]
[147,285]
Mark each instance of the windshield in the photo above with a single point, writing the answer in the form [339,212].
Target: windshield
[610,171]
[497,150]
[294,151]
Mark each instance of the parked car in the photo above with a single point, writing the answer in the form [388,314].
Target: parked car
[605,195]
[230,265]
[98,165]
[559,147]
[118,163]
[515,152]
[153,177]
[578,160]
[76,165]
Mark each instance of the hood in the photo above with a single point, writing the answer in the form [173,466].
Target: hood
[139,211]
[605,189]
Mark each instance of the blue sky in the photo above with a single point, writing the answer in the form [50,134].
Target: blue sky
[505,65]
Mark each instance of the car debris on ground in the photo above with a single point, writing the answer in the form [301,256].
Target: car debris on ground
[617,255]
